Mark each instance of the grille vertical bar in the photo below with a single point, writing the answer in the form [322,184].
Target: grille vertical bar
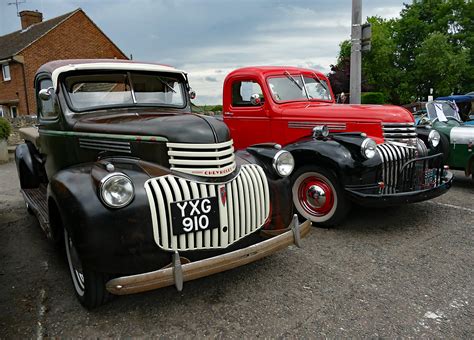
[400,167]
[393,159]
[244,206]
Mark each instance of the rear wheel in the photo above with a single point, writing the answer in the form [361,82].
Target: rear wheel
[89,285]
[318,196]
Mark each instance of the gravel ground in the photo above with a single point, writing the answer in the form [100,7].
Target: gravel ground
[405,271]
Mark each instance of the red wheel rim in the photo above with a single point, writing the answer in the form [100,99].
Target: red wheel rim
[316,196]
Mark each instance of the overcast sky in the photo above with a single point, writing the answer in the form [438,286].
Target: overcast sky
[209,38]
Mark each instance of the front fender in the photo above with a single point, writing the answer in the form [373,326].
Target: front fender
[101,233]
[345,161]
[26,167]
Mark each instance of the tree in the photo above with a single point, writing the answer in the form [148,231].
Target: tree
[417,24]
[439,65]
[378,65]
[340,73]
[431,45]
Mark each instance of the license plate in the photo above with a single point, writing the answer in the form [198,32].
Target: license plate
[430,177]
[194,215]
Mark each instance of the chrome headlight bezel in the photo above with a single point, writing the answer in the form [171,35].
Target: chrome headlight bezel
[368,148]
[434,138]
[280,157]
[320,131]
[104,190]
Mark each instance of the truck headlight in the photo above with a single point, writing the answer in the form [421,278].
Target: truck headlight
[368,148]
[283,163]
[434,138]
[116,190]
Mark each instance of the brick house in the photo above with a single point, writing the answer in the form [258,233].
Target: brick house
[70,36]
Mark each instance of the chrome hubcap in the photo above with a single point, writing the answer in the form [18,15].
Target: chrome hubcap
[316,196]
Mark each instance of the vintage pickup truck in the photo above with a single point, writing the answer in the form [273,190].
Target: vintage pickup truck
[375,155]
[144,193]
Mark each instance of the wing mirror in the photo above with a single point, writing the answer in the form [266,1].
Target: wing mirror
[45,94]
[192,94]
[255,99]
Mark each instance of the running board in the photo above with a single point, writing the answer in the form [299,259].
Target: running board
[36,201]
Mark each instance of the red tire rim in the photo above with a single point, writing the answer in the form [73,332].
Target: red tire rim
[316,196]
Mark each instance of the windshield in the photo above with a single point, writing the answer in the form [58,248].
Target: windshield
[298,88]
[442,110]
[93,91]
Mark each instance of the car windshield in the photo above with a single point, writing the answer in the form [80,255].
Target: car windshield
[442,110]
[94,91]
[298,88]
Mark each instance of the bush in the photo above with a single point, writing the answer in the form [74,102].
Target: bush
[5,128]
[372,98]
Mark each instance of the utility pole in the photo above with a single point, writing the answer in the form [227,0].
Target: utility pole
[356,57]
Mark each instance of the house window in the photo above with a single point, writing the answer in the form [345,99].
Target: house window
[1,111]
[13,111]
[6,72]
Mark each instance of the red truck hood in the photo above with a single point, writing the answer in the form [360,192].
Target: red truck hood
[347,113]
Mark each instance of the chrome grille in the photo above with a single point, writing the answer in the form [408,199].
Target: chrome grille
[244,209]
[210,160]
[393,158]
[400,132]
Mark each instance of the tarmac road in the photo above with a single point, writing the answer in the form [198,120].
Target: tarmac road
[405,271]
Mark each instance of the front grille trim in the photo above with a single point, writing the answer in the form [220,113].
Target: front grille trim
[393,159]
[405,132]
[246,209]
[209,160]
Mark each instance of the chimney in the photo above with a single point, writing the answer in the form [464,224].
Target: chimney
[29,18]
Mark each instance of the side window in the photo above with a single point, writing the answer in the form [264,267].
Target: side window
[46,107]
[243,90]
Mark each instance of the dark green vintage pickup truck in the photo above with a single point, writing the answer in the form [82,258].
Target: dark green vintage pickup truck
[142,192]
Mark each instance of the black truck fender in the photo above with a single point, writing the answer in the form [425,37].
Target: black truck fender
[443,146]
[341,156]
[102,234]
[27,166]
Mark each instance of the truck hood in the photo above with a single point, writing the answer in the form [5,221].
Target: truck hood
[347,113]
[176,127]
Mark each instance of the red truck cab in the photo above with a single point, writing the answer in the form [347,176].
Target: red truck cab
[373,155]
[293,101]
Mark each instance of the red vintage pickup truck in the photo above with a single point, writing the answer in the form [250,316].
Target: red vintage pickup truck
[371,154]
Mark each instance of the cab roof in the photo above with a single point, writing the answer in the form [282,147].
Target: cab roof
[55,68]
[271,70]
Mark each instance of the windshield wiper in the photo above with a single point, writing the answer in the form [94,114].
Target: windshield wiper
[166,84]
[323,83]
[289,76]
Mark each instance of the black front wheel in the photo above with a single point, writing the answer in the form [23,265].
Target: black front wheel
[318,196]
[89,285]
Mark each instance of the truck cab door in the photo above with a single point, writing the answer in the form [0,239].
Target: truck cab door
[249,123]
[55,147]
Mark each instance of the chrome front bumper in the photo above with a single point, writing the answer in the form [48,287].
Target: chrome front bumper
[178,273]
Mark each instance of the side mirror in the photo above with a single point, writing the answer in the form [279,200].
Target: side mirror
[45,94]
[192,94]
[255,99]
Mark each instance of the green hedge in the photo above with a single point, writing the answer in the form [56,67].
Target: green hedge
[5,128]
[372,98]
